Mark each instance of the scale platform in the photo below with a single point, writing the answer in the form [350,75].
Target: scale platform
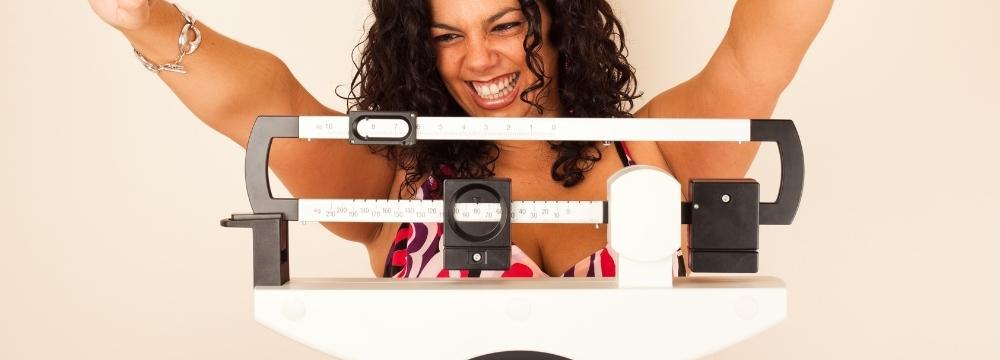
[575,318]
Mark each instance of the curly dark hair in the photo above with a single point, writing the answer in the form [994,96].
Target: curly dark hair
[397,71]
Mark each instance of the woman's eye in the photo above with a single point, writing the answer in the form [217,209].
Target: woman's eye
[507,26]
[445,38]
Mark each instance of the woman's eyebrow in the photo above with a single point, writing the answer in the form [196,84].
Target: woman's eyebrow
[444,26]
[501,13]
[491,19]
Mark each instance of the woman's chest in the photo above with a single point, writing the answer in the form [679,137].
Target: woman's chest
[558,247]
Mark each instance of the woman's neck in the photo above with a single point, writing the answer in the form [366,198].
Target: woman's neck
[525,156]
[531,156]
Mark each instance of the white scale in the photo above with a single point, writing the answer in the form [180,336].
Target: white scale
[644,312]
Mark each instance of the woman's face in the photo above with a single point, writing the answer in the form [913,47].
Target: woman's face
[480,56]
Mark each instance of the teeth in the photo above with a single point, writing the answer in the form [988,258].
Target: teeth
[496,89]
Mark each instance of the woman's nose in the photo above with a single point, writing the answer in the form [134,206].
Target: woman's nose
[480,57]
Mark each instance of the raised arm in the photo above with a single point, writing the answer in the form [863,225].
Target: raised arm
[229,84]
[756,60]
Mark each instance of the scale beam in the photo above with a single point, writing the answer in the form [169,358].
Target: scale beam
[395,128]
[782,132]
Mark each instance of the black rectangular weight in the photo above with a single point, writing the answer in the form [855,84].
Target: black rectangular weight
[725,223]
[476,245]
[724,214]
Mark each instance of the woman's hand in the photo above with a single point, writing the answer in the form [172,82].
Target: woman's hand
[123,14]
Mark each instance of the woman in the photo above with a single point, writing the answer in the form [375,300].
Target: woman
[510,58]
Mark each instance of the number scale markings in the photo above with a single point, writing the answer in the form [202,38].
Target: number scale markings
[432,211]
[556,129]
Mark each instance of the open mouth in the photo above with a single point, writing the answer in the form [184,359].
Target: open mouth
[495,93]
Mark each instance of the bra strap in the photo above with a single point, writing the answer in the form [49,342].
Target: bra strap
[623,154]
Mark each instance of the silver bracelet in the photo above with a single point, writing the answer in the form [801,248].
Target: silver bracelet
[186,46]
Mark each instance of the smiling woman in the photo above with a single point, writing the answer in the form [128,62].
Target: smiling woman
[510,58]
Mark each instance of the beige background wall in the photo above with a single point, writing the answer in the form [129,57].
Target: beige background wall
[112,190]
